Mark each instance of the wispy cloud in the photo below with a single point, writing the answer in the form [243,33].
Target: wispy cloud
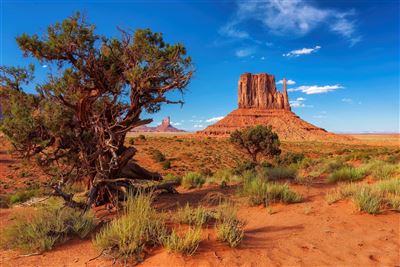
[244,52]
[262,58]
[176,123]
[215,119]
[198,126]
[320,116]
[347,100]
[303,51]
[299,103]
[44,66]
[294,18]
[288,82]
[315,89]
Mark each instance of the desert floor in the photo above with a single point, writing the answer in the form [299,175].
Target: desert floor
[310,233]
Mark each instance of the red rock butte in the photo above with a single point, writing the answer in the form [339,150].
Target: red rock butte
[260,102]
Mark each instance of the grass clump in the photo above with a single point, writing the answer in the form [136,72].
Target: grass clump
[158,156]
[260,191]
[228,228]
[289,158]
[186,244]
[193,216]
[277,173]
[48,226]
[166,164]
[170,177]
[138,227]
[382,170]
[374,198]
[347,174]
[193,180]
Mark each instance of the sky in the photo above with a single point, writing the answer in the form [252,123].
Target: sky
[341,57]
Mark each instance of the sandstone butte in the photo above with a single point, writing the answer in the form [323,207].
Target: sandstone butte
[260,102]
[164,127]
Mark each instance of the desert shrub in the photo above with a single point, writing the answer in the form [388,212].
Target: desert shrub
[257,140]
[138,227]
[256,190]
[170,177]
[47,227]
[131,141]
[381,170]
[141,137]
[347,174]
[23,196]
[289,158]
[277,173]
[186,244]
[228,227]
[370,198]
[206,172]
[244,166]
[282,193]
[214,198]
[166,164]
[157,155]
[367,201]
[192,180]
[193,216]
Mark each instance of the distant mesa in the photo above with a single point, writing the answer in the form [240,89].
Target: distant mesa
[164,127]
[260,102]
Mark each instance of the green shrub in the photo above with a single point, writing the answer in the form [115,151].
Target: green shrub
[289,158]
[142,137]
[347,174]
[186,244]
[384,171]
[228,227]
[138,227]
[193,216]
[158,156]
[367,201]
[230,232]
[170,177]
[166,164]
[244,166]
[282,193]
[23,196]
[256,190]
[281,173]
[131,141]
[47,227]
[193,180]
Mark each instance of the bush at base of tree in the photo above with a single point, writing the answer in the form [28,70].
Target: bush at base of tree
[49,226]
[193,180]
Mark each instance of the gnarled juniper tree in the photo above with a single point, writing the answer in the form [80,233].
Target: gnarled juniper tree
[97,88]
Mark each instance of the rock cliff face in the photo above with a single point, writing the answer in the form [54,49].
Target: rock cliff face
[165,126]
[261,103]
[259,91]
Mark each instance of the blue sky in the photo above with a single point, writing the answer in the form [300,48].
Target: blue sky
[341,56]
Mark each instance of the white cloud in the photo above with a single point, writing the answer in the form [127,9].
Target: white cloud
[176,123]
[299,103]
[269,44]
[262,58]
[290,17]
[215,119]
[347,100]
[288,82]
[44,66]
[245,52]
[196,120]
[303,51]
[198,126]
[230,31]
[315,89]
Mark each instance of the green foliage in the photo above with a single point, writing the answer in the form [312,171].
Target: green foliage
[282,193]
[244,166]
[186,244]
[257,140]
[193,180]
[347,174]
[166,164]
[131,141]
[367,201]
[193,216]
[370,198]
[289,158]
[277,173]
[142,137]
[228,227]
[49,226]
[381,170]
[171,177]
[158,156]
[22,196]
[138,227]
